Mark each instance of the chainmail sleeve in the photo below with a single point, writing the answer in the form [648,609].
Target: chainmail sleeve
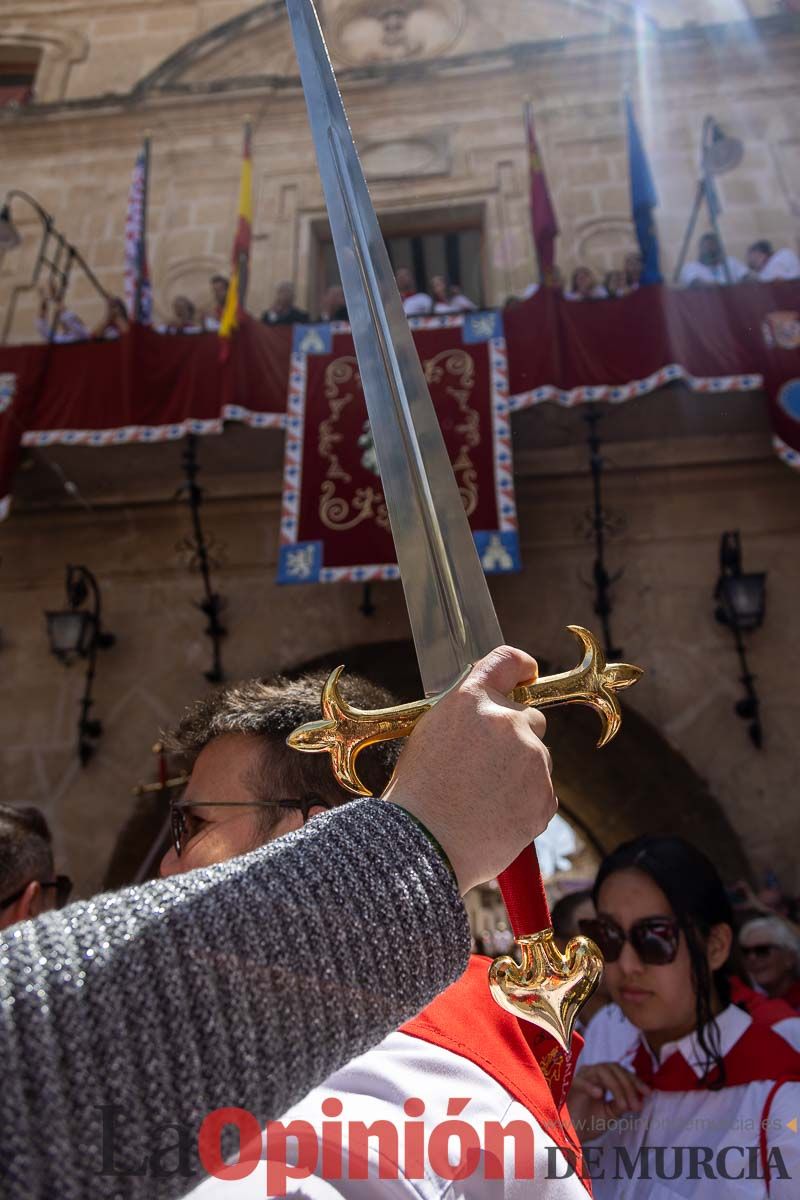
[127,1019]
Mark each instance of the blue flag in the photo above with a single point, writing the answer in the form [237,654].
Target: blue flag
[643,200]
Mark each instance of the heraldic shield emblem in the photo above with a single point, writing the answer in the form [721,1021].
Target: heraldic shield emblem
[782,330]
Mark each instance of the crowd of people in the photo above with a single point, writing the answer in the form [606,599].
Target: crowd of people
[711,268]
[692,1043]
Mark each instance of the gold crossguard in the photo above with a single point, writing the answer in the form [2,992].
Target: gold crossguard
[346,731]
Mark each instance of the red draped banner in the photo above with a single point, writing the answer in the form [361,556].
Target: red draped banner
[149,387]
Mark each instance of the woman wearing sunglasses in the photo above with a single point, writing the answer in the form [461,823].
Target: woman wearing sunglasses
[680,1092]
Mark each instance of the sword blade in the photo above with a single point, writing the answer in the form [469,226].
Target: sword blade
[449,606]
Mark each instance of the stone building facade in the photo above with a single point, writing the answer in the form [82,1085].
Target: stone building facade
[435,93]
[434,89]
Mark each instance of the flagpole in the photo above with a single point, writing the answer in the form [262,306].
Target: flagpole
[244,255]
[137,308]
[528,119]
[234,308]
[544,224]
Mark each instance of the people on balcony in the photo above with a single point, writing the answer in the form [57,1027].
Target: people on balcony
[284,310]
[615,285]
[58,324]
[767,264]
[219,294]
[185,318]
[333,305]
[448,297]
[709,269]
[114,323]
[415,303]
[584,286]
[634,266]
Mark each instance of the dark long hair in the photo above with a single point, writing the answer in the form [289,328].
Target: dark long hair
[698,900]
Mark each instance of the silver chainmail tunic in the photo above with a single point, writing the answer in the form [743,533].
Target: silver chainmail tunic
[242,985]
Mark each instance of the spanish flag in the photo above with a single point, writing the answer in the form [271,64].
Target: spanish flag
[543,216]
[240,273]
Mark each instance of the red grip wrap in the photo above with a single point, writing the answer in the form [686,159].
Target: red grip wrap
[524,896]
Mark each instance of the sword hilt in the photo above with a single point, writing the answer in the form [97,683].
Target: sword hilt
[345,731]
[549,987]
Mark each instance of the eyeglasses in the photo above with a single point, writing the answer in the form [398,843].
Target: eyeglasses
[762,951]
[655,939]
[61,883]
[179,809]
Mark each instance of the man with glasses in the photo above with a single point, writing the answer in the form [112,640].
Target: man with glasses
[28,883]
[246,786]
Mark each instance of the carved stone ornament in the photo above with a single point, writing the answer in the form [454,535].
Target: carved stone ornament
[398,158]
[363,32]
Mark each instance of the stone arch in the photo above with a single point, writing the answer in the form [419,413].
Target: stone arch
[187,276]
[604,241]
[208,44]
[60,49]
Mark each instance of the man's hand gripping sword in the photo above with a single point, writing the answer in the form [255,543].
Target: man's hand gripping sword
[346,731]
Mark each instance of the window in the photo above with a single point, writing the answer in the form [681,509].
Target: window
[429,243]
[18,67]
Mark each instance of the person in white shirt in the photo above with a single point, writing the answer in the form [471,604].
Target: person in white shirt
[449,298]
[709,269]
[687,1094]
[767,264]
[415,304]
[219,293]
[585,286]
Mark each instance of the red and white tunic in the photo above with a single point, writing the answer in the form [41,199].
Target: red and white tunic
[461,1062]
[740,1142]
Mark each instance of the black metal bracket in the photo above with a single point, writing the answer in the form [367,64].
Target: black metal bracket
[366,606]
[212,603]
[81,582]
[600,524]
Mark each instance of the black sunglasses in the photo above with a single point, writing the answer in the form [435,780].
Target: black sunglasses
[61,883]
[178,810]
[655,939]
[762,951]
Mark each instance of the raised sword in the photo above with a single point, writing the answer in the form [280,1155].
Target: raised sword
[449,606]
